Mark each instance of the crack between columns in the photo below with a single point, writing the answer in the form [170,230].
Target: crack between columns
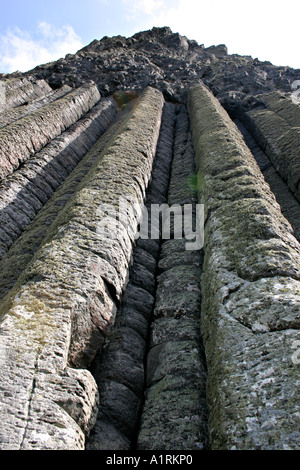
[138,426]
[169,119]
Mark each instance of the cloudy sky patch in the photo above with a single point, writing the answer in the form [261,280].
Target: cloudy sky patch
[21,50]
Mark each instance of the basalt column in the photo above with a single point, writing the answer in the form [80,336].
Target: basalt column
[25,192]
[174,414]
[119,367]
[59,307]
[271,130]
[250,291]
[151,371]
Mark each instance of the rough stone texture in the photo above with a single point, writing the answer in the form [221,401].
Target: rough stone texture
[174,414]
[119,368]
[20,111]
[21,90]
[281,105]
[172,63]
[61,306]
[134,343]
[290,206]
[24,192]
[277,131]
[23,249]
[250,288]
[22,138]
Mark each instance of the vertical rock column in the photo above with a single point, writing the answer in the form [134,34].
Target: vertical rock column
[24,193]
[276,129]
[24,137]
[22,250]
[61,307]
[22,90]
[119,367]
[290,206]
[13,114]
[174,412]
[250,291]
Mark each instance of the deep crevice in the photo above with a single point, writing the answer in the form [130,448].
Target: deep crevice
[123,321]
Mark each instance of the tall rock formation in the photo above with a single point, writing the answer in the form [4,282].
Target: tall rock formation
[149,250]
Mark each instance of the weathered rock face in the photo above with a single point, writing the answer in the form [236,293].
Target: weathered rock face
[122,328]
[250,309]
[171,63]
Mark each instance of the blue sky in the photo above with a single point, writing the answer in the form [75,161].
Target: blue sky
[35,32]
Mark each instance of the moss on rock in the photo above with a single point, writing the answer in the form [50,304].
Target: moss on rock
[250,288]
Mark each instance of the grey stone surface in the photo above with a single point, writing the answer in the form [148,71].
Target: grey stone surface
[172,63]
[22,138]
[276,130]
[174,414]
[22,90]
[123,343]
[290,206]
[122,360]
[61,307]
[23,193]
[250,287]
[14,114]
[20,254]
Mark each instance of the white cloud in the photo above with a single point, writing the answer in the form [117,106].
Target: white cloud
[21,50]
[142,7]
